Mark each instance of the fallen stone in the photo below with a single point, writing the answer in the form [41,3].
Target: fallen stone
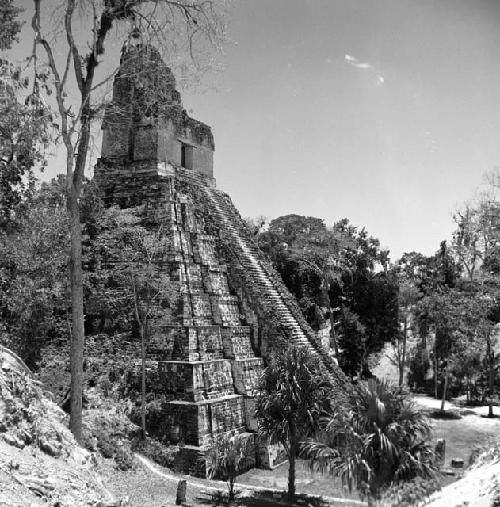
[14,441]
[457,463]
[41,482]
[13,465]
[93,444]
[49,448]
[27,437]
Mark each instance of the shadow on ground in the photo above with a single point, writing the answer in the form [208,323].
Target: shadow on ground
[259,499]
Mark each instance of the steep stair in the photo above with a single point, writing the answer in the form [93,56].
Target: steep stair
[254,266]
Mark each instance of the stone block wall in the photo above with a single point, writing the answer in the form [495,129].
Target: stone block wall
[218,379]
[191,460]
[146,120]
[236,342]
[206,365]
[209,343]
[228,414]
[200,381]
[182,380]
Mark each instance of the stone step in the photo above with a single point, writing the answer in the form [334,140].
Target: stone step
[250,260]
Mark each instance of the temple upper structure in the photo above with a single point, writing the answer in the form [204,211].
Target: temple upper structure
[146,120]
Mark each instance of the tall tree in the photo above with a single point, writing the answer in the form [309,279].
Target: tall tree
[305,253]
[9,24]
[408,296]
[430,277]
[24,126]
[229,456]
[33,292]
[196,23]
[383,440]
[462,321]
[335,274]
[293,394]
[467,240]
[126,279]
[476,245]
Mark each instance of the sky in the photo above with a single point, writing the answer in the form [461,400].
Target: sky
[385,112]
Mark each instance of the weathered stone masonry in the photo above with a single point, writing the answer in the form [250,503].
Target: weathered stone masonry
[232,305]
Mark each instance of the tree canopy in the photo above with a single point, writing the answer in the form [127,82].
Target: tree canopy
[341,279]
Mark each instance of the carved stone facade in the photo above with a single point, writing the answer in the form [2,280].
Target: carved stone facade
[146,119]
[231,305]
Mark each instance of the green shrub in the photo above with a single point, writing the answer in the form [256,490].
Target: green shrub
[407,494]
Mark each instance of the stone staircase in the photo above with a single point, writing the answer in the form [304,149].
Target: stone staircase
[256,268]
[207,367]
[231,309]
[249,257]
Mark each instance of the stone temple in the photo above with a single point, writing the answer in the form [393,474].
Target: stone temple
[231,307]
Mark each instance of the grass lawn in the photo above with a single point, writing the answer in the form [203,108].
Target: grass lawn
[465,434]
[143,487]
[462,435]
[306,481]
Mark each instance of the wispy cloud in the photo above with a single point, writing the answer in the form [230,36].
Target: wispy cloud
[354,62]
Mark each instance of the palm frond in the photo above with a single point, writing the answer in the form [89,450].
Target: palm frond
[382,439]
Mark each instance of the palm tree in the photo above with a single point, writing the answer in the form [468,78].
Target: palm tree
[229,456]
[383,439]
[293,394]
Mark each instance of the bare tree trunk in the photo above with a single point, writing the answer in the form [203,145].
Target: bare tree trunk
[291,464]
[77,330]
[143,379]
[333,335]
[435,360]
[491,388]
[445,389]
[230,498]
[74,183]
[142,323]
[402,361]
[491,375]
[74,177]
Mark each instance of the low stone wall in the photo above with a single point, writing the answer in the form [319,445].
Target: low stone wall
[197,423]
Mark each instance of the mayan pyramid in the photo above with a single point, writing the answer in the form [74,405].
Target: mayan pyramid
[233,306]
